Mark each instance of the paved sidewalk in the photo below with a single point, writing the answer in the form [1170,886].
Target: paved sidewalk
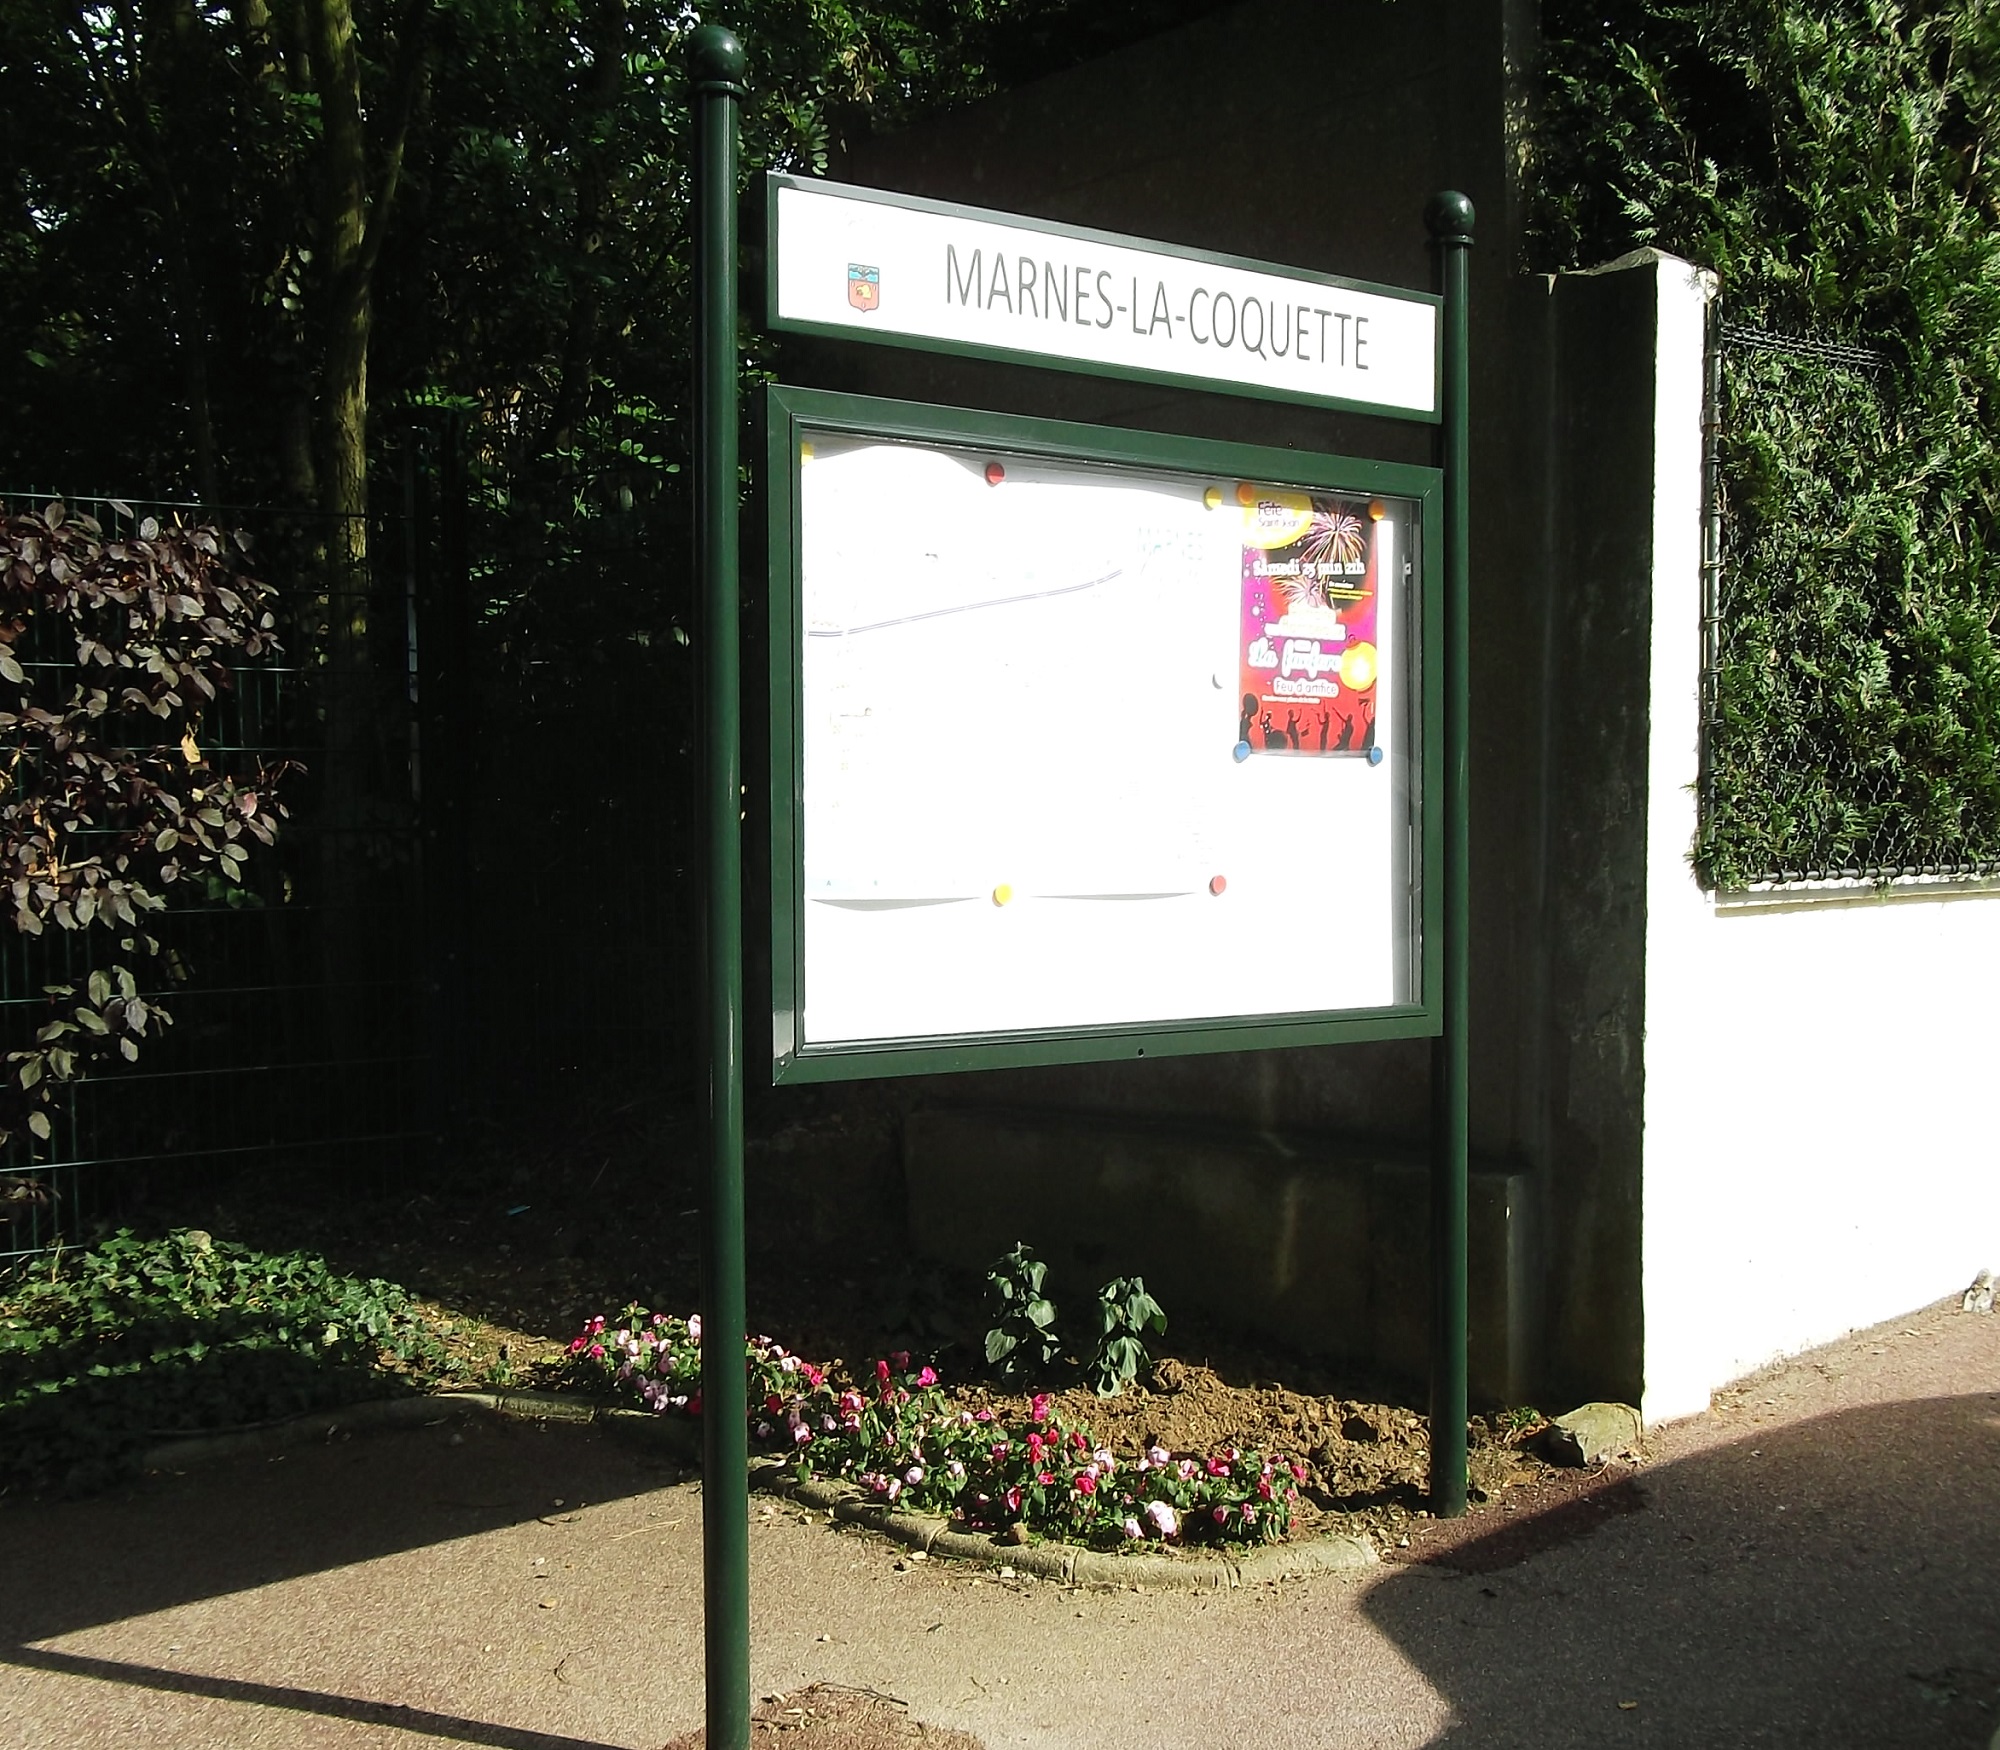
[1814,1563]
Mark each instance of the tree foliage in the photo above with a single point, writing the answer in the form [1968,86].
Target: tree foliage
[107,796]
[1835,162]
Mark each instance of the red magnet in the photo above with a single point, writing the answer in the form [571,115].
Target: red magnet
[995,473]
[1217,884]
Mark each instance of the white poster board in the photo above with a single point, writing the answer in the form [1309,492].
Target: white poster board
[1091,746]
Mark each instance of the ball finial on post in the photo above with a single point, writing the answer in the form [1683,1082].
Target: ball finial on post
[1448,216]
[715,59]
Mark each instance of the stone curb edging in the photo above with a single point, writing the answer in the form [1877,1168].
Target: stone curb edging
[1066,1563]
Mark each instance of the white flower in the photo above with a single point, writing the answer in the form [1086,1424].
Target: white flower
[1163,1517]
[694,1327]
[1132,1529]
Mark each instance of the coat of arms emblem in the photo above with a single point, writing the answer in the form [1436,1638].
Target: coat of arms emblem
[864,286]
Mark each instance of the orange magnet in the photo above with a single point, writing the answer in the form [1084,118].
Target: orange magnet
[1377,510]
[1002,894]
[1217,884]
[1246,494]
[995,473]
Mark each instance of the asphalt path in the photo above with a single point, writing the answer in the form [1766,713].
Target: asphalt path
[1815,1562]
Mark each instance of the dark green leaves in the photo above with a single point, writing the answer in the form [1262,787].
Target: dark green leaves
[1125,1312]
[1022,1341]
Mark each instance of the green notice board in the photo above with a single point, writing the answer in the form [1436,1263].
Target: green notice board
[1091,743]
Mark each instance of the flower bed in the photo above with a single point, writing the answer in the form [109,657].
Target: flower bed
[896,1434]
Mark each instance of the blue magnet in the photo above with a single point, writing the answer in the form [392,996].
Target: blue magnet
[1242,751]
[1374,756]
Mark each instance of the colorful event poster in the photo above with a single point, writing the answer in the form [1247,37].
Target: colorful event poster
[1311,567]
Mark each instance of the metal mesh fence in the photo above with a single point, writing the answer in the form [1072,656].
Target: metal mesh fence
[1818,763]
[295,993]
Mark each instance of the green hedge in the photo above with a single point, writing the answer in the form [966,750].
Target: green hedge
[1836,164]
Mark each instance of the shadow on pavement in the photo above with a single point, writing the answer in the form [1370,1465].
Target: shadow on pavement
[242,1525]
[1833,1582]
[286,1697]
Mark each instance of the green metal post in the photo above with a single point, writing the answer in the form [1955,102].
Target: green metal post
[715,73]
[1449,217]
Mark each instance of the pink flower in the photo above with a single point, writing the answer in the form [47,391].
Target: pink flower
[815,1376]
[773,1403]
[597,1351]
[694,1327]
[901,1357]
[1038,1406]
[1263,1490]
[1078,1441]
[1298,1471]
[1158,1455]
[915,1474]
[1013,1500]
[928,1376]
[1218,1466]
[1249,1513]
[999,1451]
[801,1434]
[1165,1521]
[1035,1444]
[1086,1483]
[1045,1478]
[1189,1470]
[1132,1529]
[1220,1515]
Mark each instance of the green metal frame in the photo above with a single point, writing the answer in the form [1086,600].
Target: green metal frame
[792,415]
[1030,356]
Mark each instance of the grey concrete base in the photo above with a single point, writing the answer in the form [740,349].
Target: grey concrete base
[1319,1243]
[843,1501]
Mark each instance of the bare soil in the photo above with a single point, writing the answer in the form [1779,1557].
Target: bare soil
[828,1717]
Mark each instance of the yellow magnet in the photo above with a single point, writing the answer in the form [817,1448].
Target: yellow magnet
[805,452]
[1212,498]
[1002,894]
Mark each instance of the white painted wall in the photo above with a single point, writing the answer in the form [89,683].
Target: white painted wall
[1821,1151]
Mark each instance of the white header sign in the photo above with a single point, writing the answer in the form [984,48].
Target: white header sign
[868,265]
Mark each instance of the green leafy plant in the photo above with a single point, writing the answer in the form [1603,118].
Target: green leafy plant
[1022,1340]
[104,1351]
[108,797]
[1125,1312]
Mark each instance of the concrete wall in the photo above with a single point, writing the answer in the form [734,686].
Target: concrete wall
[1820,1149]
